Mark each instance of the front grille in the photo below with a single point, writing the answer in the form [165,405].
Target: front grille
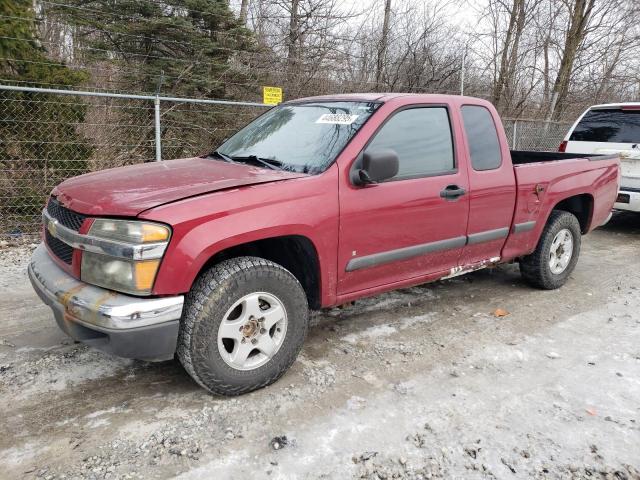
[60,249]
[66,217]
[69,219]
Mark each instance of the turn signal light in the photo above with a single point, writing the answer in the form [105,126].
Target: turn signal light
[146,274]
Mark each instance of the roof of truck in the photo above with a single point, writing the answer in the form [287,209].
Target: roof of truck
[376,97]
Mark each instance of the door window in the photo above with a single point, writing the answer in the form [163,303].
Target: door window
[422,139]
[482,136]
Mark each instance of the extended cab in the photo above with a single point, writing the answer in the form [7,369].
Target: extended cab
[606,129]
[318,202]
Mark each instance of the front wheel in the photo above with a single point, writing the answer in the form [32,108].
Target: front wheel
[244,323]
[556,254]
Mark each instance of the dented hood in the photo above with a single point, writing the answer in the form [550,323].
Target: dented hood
[128,191]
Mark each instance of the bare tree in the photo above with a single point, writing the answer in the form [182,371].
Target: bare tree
[580,12]
[509,55]
[510,47]
[382,47]
[293,37]
[597,34]
[548,58]
[244,8]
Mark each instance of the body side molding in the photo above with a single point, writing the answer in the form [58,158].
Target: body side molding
[405,253]
[524,227]
[488,236]
[389,256]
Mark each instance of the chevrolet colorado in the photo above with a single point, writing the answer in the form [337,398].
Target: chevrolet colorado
[318,202]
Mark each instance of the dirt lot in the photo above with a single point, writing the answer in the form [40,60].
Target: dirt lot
[420,383]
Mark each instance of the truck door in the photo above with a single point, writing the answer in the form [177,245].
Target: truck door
[415,223]
[492,185]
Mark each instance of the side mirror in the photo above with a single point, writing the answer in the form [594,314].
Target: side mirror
[377,166]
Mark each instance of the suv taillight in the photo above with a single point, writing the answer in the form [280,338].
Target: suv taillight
[563,146]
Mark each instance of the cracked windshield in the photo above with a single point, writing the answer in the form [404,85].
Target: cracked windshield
[303,138]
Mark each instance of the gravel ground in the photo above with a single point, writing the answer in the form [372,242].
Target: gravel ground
[425,382]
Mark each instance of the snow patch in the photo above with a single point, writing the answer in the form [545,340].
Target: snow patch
[21,455]
[370,333]
[386,329]
[98,422]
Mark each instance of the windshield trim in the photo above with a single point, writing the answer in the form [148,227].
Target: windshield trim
[309,101]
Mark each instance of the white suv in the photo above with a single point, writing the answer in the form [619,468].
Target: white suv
[612,128]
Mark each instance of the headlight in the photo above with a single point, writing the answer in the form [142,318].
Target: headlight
[118,274]
[129,231]
[126,275]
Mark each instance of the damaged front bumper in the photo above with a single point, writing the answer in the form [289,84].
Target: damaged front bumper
[126,326]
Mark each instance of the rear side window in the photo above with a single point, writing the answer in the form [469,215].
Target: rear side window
[482,136]
[422,139]
[613,125]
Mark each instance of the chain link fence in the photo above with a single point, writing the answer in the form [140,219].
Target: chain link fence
[534,135]
[47,136]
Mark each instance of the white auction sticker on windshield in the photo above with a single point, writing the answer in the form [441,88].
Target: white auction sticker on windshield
[337,118]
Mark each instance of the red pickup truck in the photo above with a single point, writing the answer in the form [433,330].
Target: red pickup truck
[318,202]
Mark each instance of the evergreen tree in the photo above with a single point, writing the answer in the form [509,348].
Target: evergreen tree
[181,48]
[39,142]
[191,41]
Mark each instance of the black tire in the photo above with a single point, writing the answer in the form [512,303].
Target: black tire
[213,294]
[535,268]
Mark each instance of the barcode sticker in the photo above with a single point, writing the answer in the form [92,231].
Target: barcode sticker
[337,118]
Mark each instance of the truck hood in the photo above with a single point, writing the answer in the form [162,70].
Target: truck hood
[128,191]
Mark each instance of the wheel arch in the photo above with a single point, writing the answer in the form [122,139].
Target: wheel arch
[296,253]
[580,205]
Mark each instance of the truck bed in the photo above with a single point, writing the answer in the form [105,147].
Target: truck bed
[522,157]
[543,182]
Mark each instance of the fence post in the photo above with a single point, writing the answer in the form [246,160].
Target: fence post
[156,103]
[514,139]
[462,67]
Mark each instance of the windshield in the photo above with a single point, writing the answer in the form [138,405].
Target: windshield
[610,125]
[301,138]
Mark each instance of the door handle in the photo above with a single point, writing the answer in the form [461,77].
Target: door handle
[452,192]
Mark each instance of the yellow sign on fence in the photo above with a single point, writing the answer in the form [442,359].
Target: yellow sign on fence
[271,95]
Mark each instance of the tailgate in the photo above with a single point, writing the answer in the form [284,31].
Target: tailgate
[629,165]
[630,168]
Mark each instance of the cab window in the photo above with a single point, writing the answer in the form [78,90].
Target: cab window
[422,139]
[482,136]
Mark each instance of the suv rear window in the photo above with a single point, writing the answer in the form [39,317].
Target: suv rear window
[611,125]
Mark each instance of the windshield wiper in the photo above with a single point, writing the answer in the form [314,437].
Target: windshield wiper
[266,162]
[221,155]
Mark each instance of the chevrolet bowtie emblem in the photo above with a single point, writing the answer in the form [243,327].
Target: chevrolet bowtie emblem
[51,226]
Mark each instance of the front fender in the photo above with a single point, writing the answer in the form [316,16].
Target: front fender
[207,225]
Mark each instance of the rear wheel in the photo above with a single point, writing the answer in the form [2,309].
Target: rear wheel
[556,254]
[244,323]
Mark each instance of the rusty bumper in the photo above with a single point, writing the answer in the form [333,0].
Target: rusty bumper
[127,326]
